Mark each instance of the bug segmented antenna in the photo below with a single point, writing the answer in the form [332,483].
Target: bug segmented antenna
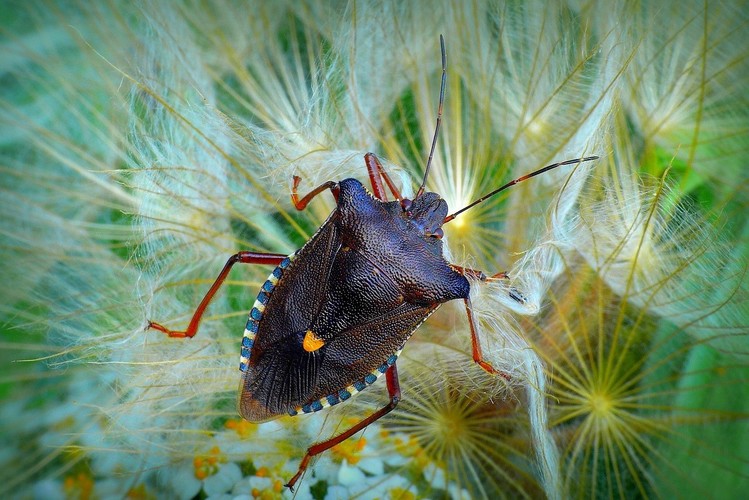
[439,117]
[515,181]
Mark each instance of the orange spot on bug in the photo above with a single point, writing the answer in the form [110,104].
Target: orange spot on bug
[312,342]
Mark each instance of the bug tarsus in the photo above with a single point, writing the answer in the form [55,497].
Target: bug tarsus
[517,296]
[514,293]
[481,276]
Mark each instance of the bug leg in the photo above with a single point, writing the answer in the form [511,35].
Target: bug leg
[478,357]
[394,391]
[514,293]
[479,275]
[242,257]
[376,175]
[301,204]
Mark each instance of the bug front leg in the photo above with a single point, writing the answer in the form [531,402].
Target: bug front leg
[241,257]
[376,175]
[479,275]
[394,391]
[478,356]
[301,204]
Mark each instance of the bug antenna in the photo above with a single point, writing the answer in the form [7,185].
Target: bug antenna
[516,181]
[439,117]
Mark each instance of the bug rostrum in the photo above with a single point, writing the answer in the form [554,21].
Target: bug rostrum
[333,317]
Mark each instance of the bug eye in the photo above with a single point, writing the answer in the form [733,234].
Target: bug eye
[406,206]
[438,233]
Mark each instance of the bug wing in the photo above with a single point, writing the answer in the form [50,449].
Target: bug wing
[302,289]
[358,352]
[287,377]
[277,375]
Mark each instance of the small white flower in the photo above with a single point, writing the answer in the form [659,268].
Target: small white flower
[349,475]
[371,465]
[337,492]
[223,480]
[260,483]
[182,481]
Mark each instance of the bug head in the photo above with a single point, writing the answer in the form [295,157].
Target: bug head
[426,212]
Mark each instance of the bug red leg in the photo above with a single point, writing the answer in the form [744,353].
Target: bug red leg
[394,391]
[376,175]
[301,204]
[478,357]
[479,275]
[242,257]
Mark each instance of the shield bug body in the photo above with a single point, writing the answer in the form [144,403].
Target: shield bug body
[333,317]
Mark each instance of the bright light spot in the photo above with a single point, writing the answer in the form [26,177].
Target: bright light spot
[536,127]
[458,223]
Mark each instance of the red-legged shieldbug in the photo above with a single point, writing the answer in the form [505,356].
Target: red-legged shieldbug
[334,316]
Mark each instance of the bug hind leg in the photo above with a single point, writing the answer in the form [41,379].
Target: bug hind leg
[394,391]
